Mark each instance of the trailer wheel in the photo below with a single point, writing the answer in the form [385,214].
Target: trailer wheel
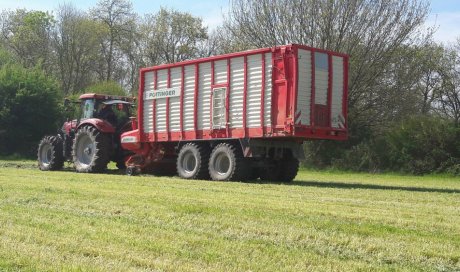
[254,173]
[284,170]
[50,153]
[288,169]
[271,172]
[91,150]
[192,161]
[228,163]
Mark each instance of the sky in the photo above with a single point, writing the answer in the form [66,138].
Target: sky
[444,16]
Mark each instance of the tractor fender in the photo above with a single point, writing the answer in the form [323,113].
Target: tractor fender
[99,124]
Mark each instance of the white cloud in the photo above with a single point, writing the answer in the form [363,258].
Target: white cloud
[447,25]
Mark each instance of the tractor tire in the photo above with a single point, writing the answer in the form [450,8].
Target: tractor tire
[50,153]
[228,163]
[91,150]
[121,164]
[288,169]
[192,161]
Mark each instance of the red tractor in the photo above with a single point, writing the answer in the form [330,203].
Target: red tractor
[93,139]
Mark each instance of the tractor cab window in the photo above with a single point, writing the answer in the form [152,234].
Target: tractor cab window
[105,112]
[121,111]
[87,108]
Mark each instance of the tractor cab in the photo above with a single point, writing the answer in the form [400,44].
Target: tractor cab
[115,110]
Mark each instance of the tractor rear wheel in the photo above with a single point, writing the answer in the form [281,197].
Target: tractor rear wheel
[91,150]
[228,163]
[192,162]
[50,154]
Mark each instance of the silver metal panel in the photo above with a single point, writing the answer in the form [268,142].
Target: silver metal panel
[204,96]
[268,90]
[174,102]
[189,97]
[304,87]
[160,108]
[236,92]
[147,121]
[321,78]
[254,90]
[220,71]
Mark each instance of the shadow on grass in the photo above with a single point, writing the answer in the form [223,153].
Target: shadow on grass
[319,184]
[343,185]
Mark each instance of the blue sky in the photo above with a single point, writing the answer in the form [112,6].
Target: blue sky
[445,14]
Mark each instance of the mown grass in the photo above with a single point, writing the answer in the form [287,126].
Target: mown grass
[324,221]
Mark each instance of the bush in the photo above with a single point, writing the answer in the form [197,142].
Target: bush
[422,145]
[417,145]
[29,108]
[106,87]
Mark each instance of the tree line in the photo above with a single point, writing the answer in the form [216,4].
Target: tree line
[404,92]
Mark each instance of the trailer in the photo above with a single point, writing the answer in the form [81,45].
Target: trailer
[238,116]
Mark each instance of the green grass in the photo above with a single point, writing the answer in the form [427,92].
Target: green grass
[324,221]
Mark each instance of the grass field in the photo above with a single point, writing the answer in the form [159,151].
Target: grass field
[324,221]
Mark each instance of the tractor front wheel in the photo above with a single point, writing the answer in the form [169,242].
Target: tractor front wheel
[91,150]
[50,154]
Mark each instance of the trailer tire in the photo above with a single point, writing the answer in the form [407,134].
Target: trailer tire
[50,153]
[192,161]
[228,163]
[288,169]
[91,150]
[254,173]
[271,172]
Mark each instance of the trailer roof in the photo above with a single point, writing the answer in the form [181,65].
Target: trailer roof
[241,53]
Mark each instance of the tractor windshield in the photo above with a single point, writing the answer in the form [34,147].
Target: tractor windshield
[87,108]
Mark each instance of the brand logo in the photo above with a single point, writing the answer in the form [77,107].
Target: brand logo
[129,139]
[162,93]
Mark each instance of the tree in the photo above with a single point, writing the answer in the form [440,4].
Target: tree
[449,97]
[28,35]
[119,19]
[172,36]
[430,84]
[76,40]
[105,87]
[411,83]
[369,31]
